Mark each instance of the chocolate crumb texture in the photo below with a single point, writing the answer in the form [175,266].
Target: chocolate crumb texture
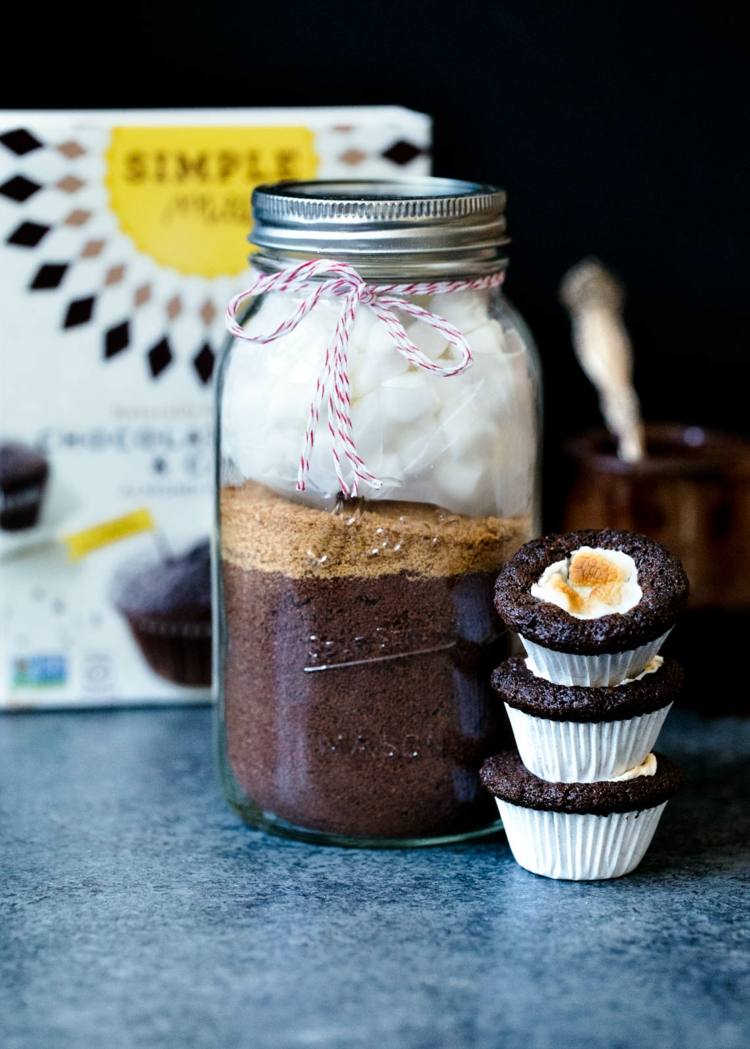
[520,688]
[505,776]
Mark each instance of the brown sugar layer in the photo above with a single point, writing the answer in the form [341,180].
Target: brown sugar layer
[269,533]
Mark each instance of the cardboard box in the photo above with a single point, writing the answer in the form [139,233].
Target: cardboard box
[123,236]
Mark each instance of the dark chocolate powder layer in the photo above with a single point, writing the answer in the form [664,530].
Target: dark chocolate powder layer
[361,707]
[505,776]
[660,576]
[521,689]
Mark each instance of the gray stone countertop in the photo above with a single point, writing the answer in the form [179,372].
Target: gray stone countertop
[136,910]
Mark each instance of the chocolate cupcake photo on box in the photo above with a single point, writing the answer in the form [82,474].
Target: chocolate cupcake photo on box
[37,504]
[24,472]
[166,600]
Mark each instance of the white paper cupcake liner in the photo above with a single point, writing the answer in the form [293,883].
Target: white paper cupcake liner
[578,847]
[584,752]
[608,668]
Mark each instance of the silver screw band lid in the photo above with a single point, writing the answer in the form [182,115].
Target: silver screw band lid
[387,229]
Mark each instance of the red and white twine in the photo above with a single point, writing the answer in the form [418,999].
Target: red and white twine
[332,385]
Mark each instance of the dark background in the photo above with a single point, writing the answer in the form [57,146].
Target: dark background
[617,129]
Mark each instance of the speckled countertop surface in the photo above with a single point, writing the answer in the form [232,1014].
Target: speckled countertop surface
[137,911]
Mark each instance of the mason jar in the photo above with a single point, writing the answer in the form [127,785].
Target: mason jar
[378,441]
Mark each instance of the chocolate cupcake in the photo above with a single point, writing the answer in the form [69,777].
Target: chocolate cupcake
[580,831]
[23,480]
[167,604]
[574,734]
[591,607]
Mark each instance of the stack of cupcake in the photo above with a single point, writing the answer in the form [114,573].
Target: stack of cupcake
[584,794]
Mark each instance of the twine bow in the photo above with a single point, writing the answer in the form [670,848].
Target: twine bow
[333,385]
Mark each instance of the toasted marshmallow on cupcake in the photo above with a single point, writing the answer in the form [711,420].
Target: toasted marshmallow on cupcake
[590,583]
[592,608]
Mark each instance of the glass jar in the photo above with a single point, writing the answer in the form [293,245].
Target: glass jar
[355,628]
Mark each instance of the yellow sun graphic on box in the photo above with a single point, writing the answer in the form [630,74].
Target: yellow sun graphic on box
[181,193]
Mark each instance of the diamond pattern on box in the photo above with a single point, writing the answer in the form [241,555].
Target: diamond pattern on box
[71,149]
[142,295]
[70,184]
[159,357]
[19,188]
[20,141]
[80,311]
[50,275]
[69,165]
[402,152]
[78,217]
[352,157]
[208,312]
[203,362]
[114,275]
[28,234]
[116,339]
[92,248]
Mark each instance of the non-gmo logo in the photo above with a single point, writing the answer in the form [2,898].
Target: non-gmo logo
[39,671]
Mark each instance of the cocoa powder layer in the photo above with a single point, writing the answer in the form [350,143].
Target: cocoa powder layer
[266,532]
[361,707]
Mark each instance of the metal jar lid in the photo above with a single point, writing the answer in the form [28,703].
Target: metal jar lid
[387,229]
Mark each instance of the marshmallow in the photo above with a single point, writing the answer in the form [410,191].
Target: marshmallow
[465,437]
[465,442]
[646,768]
[367,416]
[270,312]
[460,485]
[465,310]
[592,582]
[408,397]
[430,341]
[488,338]
[374,361]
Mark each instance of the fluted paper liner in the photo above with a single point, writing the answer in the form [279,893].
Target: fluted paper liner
[584,752]
[578,847]
[599,671]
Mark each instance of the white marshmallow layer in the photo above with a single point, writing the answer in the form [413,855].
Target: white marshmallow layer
[584,752]
[578,847]
[466,443]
